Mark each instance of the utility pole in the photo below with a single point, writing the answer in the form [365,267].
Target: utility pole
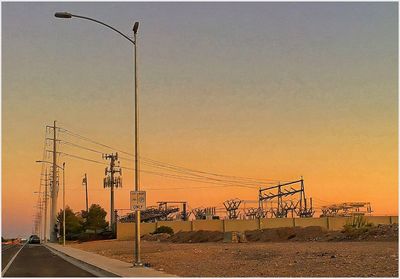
[45,207]
[64,221]
[111,182]
[54,188]
[84,182]
[39,217]
[279,209]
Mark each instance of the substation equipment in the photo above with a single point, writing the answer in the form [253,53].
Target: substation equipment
[279,193]
[346,209]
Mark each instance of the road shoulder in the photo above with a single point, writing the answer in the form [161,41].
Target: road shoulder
[101,263]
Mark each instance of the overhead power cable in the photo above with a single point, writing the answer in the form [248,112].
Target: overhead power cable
[95,142]
[80,146]
[171,167]
[194,174]
[82,158]
[263,181]
[151,165]
[163,174]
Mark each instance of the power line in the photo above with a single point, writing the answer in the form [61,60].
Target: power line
[160,189]
[187,188]
[80,146]
[82,158]
[202,176]
[162,167]
[323,201]
[95,142]
[171,166]
[263,181]
[162,174]
[145,163]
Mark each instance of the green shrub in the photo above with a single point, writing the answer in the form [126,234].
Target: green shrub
[357,226]
[164,229]
[357,222]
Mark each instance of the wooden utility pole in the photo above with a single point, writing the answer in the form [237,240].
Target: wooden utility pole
[111,181]
[85,182]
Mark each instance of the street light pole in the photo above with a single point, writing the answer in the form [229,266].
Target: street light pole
[137,186]
[66,15]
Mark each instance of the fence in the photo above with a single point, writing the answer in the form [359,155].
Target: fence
[126,231]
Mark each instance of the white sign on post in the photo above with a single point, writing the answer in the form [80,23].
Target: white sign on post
[138,200]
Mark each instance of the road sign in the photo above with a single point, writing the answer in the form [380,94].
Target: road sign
[138,200]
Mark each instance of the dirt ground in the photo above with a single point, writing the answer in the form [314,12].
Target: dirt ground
[259,259]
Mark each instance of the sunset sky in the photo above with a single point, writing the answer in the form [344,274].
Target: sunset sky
[264,90]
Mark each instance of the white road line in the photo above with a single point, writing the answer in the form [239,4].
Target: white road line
[11,261]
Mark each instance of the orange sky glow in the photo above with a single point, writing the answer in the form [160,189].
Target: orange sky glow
[282,92]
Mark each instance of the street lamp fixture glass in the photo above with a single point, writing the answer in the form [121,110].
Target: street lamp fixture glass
[135,27]
[63,15]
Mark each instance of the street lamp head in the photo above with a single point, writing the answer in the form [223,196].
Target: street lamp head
[135,27]
[63,15]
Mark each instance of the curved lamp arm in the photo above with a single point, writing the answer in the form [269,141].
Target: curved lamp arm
[68,15]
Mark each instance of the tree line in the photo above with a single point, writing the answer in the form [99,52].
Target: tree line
[83,225]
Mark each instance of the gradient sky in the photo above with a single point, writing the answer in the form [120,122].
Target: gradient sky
[268,90]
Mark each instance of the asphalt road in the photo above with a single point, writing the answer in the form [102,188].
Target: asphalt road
[35,260]
[7,252]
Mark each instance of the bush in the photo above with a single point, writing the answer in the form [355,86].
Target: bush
[107,235]
[72,236]
[164,229]
[357,226]
[85,237]
[357,222]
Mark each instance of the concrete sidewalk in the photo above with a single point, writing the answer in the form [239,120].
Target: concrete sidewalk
[119,268]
